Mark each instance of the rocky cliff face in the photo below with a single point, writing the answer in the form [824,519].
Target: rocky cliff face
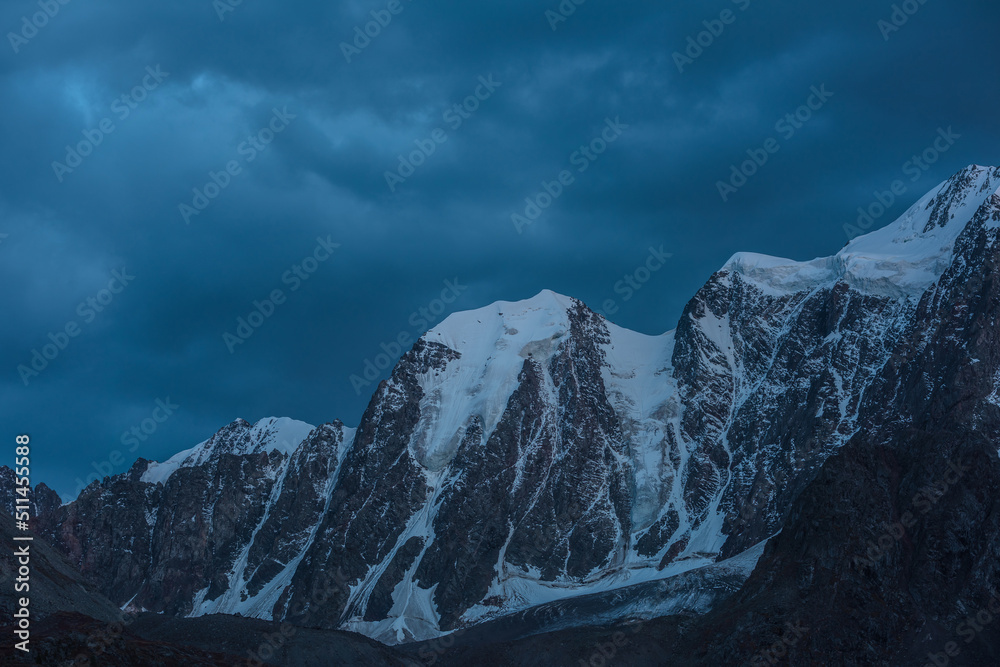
[210,529]
[528,452]
[902,529]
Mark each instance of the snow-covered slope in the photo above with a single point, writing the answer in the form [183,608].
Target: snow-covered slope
[492,344]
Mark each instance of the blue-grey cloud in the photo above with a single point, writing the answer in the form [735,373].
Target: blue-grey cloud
[324,175]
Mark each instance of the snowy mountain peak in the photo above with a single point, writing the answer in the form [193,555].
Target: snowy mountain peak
[530,319]
[935,221]
[238,438]
[902,259]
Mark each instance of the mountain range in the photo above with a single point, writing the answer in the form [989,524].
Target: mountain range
[806,466]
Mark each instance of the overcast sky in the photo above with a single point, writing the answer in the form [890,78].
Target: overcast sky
[308,115]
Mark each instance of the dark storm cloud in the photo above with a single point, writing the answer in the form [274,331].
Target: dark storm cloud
[324,176]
